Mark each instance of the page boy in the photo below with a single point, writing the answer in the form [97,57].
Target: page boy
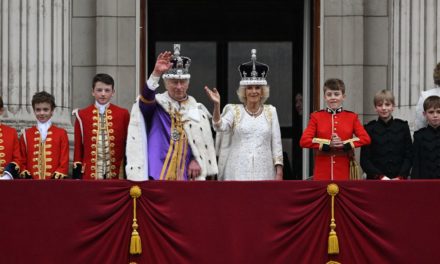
[9,150]
[389,154]
[330,132]
[426,146]
[100,134]
[44,147]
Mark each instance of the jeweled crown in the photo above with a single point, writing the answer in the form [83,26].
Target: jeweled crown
[253,72]
[180,68]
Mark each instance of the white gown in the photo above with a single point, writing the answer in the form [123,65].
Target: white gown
[249,147]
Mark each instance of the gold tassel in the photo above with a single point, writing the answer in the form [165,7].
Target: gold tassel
[333,244]
[135,242]
[354,170]
[355,173]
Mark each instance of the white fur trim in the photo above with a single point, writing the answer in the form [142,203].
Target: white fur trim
[75,112]
[136,149]
[198,132]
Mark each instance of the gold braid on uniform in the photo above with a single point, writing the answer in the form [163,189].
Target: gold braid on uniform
[322,142]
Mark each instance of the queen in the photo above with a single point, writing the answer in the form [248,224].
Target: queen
[248,140]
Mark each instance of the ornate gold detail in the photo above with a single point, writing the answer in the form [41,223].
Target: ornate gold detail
[333,245]
[135,241]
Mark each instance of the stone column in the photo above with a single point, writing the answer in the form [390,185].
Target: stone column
[415,51]
[343,54]
[35,56]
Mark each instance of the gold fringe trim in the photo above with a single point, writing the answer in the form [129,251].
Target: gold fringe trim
[333,245]
[135,242]
[355,173]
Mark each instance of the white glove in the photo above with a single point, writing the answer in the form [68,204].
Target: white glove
[6,176]
[385,178]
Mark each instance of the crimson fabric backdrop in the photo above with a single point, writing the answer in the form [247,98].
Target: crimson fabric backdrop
[218,222]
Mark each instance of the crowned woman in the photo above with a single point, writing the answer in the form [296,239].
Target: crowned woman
[248,138]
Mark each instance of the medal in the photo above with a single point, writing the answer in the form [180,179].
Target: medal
[175,135]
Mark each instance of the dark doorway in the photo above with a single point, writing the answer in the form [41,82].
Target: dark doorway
[218,36]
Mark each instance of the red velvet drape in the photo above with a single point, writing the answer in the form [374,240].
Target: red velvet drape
[218,222]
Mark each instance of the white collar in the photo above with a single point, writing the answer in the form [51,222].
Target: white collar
[101,107]
[43,128]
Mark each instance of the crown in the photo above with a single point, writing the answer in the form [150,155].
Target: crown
[253,72]
[180,68]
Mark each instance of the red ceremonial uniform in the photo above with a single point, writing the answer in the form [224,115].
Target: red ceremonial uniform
[9,148]
[86,136]
[331,164]
[48,159]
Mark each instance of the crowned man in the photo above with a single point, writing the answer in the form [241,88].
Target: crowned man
[178,143]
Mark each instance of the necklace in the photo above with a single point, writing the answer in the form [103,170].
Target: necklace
[254,114]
